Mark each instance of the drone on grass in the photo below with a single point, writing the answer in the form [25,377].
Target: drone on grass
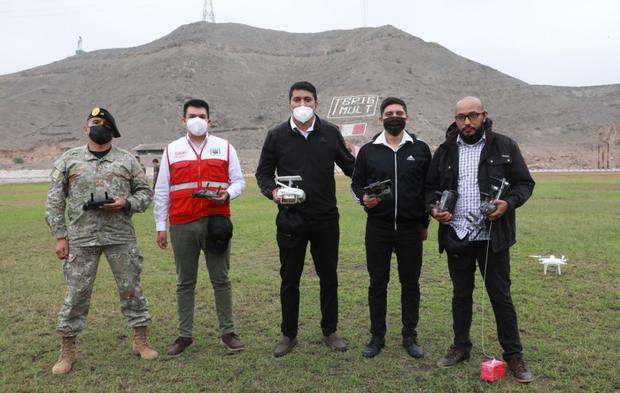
[551,261]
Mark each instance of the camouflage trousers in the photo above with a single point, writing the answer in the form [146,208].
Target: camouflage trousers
[80,269]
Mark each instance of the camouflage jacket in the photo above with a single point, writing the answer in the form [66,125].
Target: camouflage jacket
[77,174]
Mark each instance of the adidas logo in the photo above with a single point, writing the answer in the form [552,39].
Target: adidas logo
[410,158]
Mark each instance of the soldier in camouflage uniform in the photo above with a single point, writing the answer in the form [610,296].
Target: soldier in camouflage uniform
[98,170]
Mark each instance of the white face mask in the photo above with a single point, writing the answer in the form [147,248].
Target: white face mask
[303,113]
[197,126]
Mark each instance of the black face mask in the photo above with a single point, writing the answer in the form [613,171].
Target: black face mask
[100,134]
[394,125]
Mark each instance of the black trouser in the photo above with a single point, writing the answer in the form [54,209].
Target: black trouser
[381,240]
[324,239]
[462,272]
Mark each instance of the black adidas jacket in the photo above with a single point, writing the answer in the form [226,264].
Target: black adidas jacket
[406,168]
[288,152]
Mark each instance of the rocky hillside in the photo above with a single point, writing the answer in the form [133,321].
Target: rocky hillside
[245,72]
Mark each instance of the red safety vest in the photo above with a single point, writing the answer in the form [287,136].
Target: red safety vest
[191,171]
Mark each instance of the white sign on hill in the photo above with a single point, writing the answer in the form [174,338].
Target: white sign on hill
[353,106]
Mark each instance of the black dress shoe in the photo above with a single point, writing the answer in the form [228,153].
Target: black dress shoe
[374,347]
[412,347]
[284,346]
[335,342]
[180,345]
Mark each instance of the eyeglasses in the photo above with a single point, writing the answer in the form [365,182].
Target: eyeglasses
[472,116]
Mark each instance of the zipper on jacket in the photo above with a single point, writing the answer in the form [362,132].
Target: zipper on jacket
[395,191]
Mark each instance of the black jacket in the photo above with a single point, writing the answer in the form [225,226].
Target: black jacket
[500,158]
[406,168]
[288,152]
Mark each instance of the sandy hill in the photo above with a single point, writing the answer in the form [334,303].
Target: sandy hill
[245,72]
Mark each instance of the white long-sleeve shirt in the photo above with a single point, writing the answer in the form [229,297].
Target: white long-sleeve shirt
[162,186]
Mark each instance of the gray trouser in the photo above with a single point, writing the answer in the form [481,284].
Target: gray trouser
[188,240]
[80,269]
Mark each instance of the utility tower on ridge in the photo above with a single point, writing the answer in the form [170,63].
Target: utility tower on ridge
[364,9]
[207,12]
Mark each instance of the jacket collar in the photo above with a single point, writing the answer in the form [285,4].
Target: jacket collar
[88,156]
[408,136]
[380,139]
[315,127]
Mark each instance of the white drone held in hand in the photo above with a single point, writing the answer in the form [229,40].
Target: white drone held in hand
[288,194]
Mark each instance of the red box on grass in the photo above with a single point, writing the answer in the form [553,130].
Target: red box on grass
[493,370]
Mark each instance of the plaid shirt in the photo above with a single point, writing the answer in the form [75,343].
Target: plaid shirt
[468,188]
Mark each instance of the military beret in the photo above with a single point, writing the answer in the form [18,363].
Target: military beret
[105,114]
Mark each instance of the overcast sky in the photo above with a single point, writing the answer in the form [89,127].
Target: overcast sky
[552,42]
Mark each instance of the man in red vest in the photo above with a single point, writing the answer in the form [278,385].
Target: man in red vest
[199,162]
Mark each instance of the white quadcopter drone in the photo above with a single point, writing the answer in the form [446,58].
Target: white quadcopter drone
[551,261]
[288,194]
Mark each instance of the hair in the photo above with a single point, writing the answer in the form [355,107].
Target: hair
[390,101]
[303,85]
[196,103]
[155,160]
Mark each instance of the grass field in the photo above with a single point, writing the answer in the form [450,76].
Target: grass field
[569,324]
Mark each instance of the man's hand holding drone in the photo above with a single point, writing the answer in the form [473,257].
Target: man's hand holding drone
[370,202]
[502,207]
[275,197]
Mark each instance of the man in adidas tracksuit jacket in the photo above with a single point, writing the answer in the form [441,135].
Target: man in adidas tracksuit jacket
[396,223]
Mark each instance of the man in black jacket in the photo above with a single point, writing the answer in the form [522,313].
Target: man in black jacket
[396,222]
[306,146]
[470,161]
